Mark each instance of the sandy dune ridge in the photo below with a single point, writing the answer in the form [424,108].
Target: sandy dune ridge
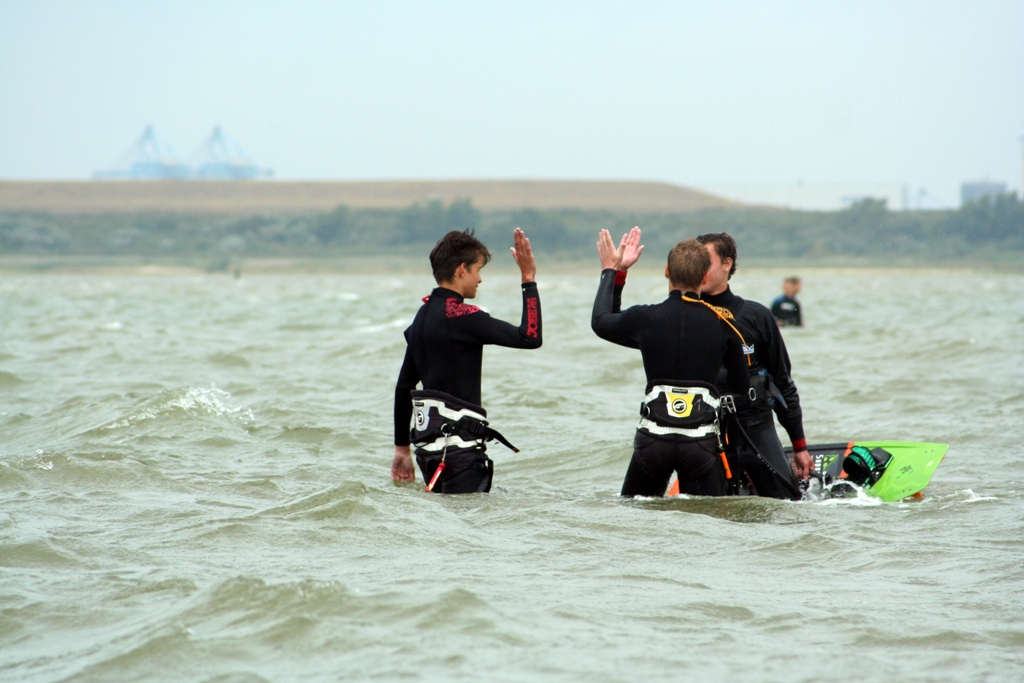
[277,196]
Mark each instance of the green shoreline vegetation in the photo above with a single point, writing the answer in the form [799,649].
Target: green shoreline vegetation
[988,234]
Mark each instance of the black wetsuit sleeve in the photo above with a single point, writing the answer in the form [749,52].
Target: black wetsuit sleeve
[408,378]
[481,328]
[619,327]
[735,364]
[777,362]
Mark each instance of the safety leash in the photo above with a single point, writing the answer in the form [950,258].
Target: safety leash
[446,430]
[730,406]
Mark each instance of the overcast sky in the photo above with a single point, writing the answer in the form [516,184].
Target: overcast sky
[699,93]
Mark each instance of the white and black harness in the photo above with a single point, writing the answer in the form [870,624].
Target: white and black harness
[682,410]
[451,431]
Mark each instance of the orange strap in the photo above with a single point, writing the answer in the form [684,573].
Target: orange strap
[725,464]
[725,316]
[849,449]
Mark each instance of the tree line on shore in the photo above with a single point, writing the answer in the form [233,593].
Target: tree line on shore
[990,230]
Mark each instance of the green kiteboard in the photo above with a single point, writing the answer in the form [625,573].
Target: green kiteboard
[907,473]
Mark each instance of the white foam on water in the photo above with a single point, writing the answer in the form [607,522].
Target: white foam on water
[207,401]
[369,329]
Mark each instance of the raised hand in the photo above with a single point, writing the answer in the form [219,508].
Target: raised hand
[523,254]
[630,248]
[606,251]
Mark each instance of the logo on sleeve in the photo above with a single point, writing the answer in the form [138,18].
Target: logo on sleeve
[532,318]
[748,350]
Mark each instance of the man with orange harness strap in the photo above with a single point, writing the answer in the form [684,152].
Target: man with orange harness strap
[752,437]
[683,342]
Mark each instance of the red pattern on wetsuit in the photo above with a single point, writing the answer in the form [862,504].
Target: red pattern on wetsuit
[453,308]
[532,317]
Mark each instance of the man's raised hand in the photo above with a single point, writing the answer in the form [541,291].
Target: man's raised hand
[606,251]
[630,248]
[523,255]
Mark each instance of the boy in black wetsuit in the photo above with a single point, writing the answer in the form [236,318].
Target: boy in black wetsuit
[445,352]
[770,377]
[683,342]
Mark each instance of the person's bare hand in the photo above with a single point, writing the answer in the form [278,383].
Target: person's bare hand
[401,465]
[630,248]
[606,251]
[523,254]
[802,464]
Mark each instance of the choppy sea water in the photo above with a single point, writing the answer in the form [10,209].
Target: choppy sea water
[194,487]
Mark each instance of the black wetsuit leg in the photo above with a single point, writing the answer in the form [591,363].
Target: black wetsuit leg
[696,463]
[761,431]
[470,473]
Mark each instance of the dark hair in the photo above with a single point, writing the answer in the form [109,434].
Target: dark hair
[688,263]
[725,247]
[454,249]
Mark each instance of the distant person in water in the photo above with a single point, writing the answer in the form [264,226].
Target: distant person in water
[786,308]
[444,352]
[683,342]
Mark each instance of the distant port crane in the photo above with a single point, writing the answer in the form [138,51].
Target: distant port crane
[220,158]
[148,158]
[151,158]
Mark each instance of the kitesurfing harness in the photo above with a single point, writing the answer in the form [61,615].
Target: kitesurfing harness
[686,411]
[450,430]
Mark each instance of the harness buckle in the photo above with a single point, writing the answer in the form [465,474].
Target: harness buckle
[474,427]
[729,404]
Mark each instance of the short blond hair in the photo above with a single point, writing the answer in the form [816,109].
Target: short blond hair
[688,263]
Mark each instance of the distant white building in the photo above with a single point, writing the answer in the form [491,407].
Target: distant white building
[815,197]
[979,189]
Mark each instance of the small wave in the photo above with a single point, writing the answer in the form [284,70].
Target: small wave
[966,496]
[229,360]
[189,401]
[9,379]
[40,553]
[304,434]
[952,640]
[341,502]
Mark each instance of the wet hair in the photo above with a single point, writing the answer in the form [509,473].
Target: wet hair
[725,247]
[688,263]
[793,280]
[454,249]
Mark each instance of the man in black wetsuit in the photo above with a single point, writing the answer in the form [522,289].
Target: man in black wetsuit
[445,351]
[786,308]
[683,342]
[769,376]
